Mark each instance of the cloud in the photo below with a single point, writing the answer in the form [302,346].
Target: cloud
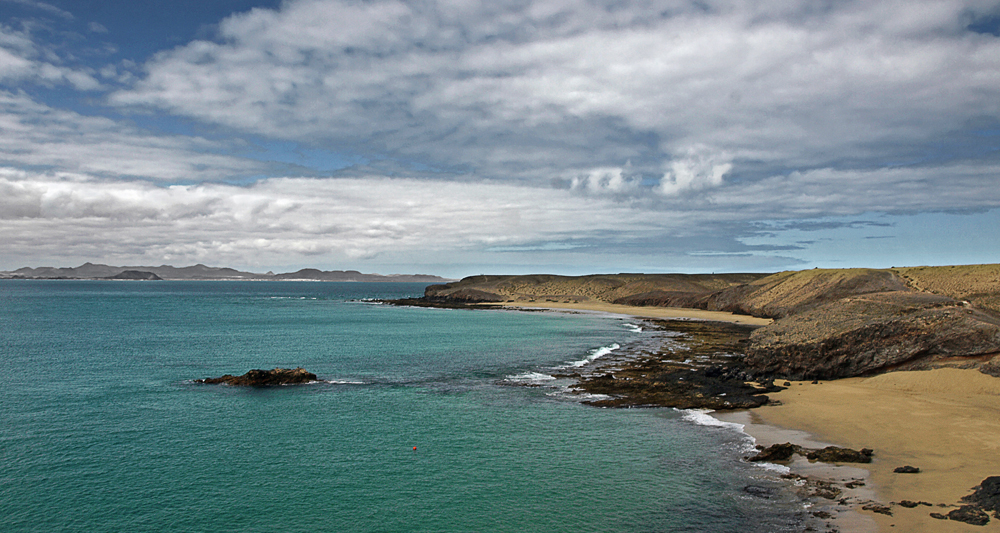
[533,89]
[699,170]
[279,218]
[42,6]
[39,136]
[22,59]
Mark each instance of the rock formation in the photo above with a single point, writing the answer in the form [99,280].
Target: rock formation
[264,378]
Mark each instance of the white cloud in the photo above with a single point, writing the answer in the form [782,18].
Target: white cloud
[279,218]
[700,169]
[21,59]
[36,135]
[545,86]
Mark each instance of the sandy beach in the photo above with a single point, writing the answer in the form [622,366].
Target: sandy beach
[644,312]
[945,422]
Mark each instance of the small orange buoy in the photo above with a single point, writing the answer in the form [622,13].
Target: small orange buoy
[414,448]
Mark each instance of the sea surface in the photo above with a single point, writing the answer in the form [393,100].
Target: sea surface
[424,420]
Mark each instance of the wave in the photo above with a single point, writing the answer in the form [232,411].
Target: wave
[702,417]
[595,354]
[529,377]
[634,328]
[341,382]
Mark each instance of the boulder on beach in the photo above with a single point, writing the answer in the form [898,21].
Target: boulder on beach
[264,378]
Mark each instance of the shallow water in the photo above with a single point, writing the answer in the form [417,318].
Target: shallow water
[103,430]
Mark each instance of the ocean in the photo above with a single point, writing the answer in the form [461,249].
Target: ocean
[424,420]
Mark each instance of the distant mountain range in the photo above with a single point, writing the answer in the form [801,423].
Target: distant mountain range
[202,272]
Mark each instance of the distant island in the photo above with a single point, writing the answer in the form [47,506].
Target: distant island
[202,272]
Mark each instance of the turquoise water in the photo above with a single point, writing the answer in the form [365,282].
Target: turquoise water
[102,429]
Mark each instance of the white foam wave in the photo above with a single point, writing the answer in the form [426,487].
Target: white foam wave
[635,328]
[781,469]
[342,382]
[595,354]
[703,418]
[529,377]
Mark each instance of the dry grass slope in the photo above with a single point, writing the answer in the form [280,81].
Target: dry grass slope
[977,284]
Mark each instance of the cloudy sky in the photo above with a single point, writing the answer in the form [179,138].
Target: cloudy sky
[457,137]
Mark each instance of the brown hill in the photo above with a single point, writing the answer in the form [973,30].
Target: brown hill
[828,323]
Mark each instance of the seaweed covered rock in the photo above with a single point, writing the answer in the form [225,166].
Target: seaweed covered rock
[264,378]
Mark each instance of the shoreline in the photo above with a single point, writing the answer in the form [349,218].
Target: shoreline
[639,312]
[945,421]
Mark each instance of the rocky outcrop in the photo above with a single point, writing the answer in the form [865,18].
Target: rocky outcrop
[836,454]
[872,333]
[986,496]
[830,454]
[992,367]
[775,452]
[264,378]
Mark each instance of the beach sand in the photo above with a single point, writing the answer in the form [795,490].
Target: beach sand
[644,312]
[945,422]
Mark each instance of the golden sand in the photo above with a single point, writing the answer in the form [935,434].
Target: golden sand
[945,422]
[645,312]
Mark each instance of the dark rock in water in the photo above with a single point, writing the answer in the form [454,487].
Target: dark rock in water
[986,495]
[970,514]
[776,452]
[264,378]
[758,491]
[906,470]
[836,454]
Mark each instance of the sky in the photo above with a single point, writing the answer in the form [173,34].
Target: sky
[456,137]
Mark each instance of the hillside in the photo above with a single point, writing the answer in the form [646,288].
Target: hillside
[828,323]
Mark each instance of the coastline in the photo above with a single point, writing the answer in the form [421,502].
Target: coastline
[639,312]
[944,421]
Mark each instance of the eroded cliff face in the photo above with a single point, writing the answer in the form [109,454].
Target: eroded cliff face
[873,333]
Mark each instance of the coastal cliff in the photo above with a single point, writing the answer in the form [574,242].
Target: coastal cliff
[827,323]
